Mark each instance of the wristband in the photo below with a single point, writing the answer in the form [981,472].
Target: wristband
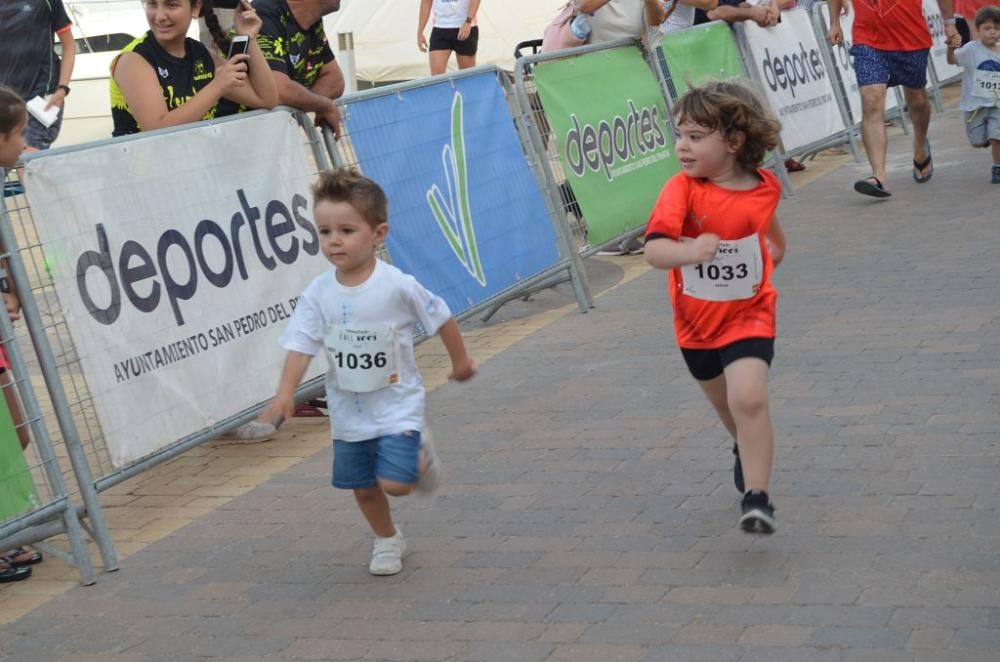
[949,21]
[468,19]
[64,88]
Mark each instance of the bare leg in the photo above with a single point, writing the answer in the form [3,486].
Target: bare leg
[715,391]
[439,62]
[920,114]
[465,61]
[374,505]
[873,128]
[746,381]
[995,145]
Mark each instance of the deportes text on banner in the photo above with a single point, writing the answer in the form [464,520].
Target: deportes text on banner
[701,54]
[795,79]
[177,259]
[614,136]
[466,216]
[939,51]
[845,63]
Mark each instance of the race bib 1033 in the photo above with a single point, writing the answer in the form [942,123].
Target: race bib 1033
[735,272]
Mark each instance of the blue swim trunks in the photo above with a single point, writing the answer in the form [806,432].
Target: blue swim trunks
[890,68]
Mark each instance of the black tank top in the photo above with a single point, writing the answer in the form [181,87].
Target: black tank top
[180,78]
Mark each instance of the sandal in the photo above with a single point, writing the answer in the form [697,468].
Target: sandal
[21,557]
[919,167]
[871,186]
[9,573]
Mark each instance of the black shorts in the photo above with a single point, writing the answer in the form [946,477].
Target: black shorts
[706,364]
[446,39]
[962,26]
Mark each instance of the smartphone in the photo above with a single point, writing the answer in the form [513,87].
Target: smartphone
[239,46]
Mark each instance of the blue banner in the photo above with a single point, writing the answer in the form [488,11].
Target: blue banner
[466,217]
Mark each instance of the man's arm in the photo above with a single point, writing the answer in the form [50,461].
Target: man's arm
[299,96]
[425,14]
[704,5]
[655,13]
[758,15]
[330,82]
[68,59]
[947,8]
[466,29]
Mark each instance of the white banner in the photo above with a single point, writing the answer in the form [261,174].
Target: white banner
[939,51]
[177,259]
[795,80]
[845,63]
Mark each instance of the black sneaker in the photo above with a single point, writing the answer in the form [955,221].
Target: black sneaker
[738,471]
[996,174]
[758,513]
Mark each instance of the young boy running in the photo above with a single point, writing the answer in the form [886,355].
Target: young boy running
[714,229]
[980,60]
[363,312]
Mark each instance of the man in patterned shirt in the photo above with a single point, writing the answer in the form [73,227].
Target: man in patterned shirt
[295,46]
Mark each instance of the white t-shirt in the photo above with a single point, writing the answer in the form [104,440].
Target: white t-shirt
[619,19]
[450,13]
[388,297]
[980,65]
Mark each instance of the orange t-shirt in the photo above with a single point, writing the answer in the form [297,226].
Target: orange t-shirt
[689,206]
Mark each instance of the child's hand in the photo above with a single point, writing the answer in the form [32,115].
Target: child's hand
[465,371]
[703,248]
[282,408]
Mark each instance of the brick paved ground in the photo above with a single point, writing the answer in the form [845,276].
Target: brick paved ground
[590,514]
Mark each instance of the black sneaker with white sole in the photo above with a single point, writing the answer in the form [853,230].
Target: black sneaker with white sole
[758,513]
[738,471]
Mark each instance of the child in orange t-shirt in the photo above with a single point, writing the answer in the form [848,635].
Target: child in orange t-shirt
[714,229]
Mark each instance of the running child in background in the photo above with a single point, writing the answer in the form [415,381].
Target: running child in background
[714,228]
[365,313]
[980,60]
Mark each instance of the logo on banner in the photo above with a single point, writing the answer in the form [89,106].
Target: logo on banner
[454,213]
[619,146]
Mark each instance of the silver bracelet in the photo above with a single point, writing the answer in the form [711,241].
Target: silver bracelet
[949,21]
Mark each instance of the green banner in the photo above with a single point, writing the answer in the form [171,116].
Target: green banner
[701,54]
[614,136]
[17,491]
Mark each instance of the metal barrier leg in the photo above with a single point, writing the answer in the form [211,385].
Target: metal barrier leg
[531,138]
[50,373]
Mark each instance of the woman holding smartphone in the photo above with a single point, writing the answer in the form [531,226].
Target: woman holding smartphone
[163,78]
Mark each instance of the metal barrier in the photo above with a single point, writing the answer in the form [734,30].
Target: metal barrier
[636,81]
[386,130]
[36,503]
[69,399]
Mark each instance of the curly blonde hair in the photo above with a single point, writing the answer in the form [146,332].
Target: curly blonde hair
[732,108]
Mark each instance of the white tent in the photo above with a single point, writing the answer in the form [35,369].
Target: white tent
[385,34]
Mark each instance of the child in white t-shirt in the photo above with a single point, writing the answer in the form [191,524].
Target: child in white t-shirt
[981,84]
[365,312]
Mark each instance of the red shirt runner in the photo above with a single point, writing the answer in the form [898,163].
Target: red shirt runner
[689,206]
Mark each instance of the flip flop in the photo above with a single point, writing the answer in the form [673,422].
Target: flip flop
[871,186]
[21,557]
[9,573]
[918,166]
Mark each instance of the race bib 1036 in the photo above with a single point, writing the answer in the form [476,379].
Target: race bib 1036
[363,359]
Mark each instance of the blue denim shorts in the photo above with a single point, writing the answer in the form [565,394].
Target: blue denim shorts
[359,464]
[890,68]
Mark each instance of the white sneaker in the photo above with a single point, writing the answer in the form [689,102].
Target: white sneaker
[387,555]
[430,480]
[251,433]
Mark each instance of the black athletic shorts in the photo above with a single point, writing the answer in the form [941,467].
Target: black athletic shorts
[962,26]
[706,364]
[446,39]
